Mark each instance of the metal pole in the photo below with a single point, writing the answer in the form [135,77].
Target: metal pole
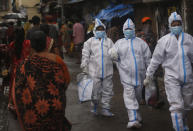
[62,12]
[61,4]
[185,15]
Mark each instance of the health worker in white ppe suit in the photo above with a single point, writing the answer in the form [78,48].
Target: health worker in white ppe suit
[133,57]
[98,64]
[175,52]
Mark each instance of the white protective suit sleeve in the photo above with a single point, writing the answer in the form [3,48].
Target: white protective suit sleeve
[157,59]
[191,55]
[86,54]
[116,48]
[113,54]
[111,44]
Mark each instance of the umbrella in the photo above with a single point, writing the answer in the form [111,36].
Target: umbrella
[14,16]
[10,20]
[115,11]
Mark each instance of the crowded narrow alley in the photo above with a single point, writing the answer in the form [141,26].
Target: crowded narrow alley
[82,65]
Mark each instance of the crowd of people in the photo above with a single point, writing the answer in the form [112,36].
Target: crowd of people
[38,76]
[38,79]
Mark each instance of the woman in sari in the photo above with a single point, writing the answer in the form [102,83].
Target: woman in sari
[39,91]
[18,50]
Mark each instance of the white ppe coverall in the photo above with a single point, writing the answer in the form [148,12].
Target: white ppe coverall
[133,57]
[176,57]
[100,67]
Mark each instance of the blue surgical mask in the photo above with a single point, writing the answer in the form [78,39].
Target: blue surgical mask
[176,30]
[100,34]
[129,34]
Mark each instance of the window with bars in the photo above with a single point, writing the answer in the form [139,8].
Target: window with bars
[4,5]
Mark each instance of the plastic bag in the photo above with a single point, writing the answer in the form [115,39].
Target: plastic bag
[151,94]
[85,86]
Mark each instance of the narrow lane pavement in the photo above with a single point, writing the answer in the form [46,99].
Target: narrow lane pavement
[83,120]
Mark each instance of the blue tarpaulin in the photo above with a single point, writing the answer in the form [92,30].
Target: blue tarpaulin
[115,11]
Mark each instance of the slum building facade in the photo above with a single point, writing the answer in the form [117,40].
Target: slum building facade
[4,5]
[160,10]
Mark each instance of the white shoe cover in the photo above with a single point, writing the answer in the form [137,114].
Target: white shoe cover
[106,112]
[134,124]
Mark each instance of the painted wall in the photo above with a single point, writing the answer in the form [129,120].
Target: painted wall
[29,3]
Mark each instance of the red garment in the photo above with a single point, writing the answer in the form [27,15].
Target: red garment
[78,33]
[15,61]
[24,54]
[39,93]
[48,42]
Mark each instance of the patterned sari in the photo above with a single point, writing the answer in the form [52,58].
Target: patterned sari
[39,94]
[14,63]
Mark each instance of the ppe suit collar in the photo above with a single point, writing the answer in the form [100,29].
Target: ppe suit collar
[131,38]
[175,35]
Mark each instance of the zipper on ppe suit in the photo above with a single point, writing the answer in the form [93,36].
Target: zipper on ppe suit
[136,66]
[183,57]
[102,59]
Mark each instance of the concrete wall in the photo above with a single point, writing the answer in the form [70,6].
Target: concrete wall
[188,15]
[31,12]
